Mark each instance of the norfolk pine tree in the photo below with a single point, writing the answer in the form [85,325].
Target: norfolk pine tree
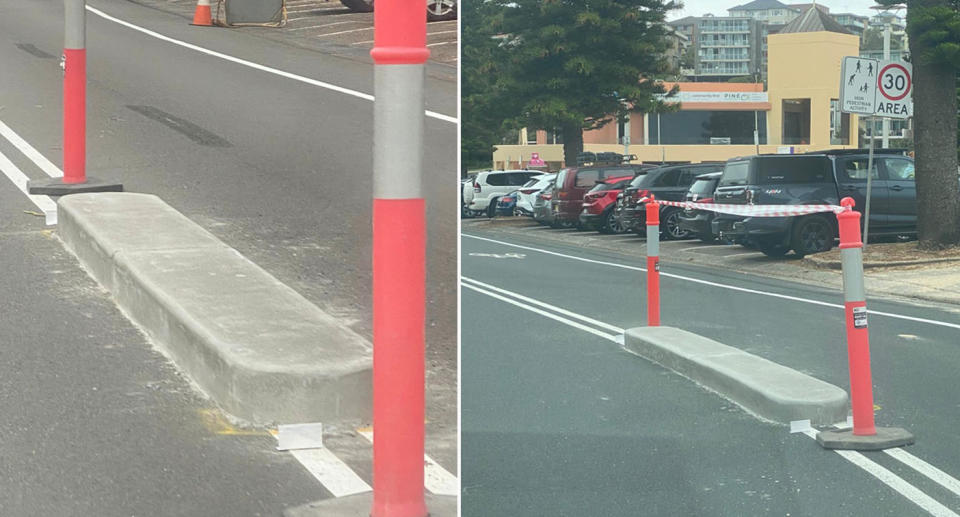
[576,65]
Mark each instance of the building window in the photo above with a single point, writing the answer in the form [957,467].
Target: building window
[839,125]
[796,121]
[698,127]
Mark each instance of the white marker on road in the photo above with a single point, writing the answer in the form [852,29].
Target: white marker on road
[44,203]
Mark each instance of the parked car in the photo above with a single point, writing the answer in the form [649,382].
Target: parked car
[528,192]
[542,210]
[669,183]
[574,182]
[815,178]
[488,186]
[437,10]
[598,205]
[507,205]
[465,184]
[697,222]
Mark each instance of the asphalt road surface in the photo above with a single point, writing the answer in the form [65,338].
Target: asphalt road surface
[98,423]
[559,420]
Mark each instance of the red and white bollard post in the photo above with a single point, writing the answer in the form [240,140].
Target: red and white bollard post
[74,178]
[399,244]
[653,262]
[864,435]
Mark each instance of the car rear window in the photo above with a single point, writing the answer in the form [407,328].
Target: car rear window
[561,177]
[600,187]
[794,169]
[497,180]
[703,187]
[588,177]
[531,183]
[735,173]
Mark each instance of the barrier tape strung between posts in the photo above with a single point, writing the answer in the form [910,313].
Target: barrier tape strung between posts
[754,210]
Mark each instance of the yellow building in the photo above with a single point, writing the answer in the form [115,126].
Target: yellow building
[716,121]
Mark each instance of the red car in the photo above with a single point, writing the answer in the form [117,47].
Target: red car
[573,184]
[598,205]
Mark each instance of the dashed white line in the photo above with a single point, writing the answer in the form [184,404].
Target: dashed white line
[325,25]
[441,43]
[436,479]
[940,477]
[335,475]
[343,32]
[716,284]
[257,66]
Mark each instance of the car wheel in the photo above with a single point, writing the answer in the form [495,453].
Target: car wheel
[439,10]
[670,226]
[360,6]
[773,250]
[812,234]
[492,208]
[612,224]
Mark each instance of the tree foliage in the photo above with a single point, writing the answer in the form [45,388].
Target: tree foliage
[564,64]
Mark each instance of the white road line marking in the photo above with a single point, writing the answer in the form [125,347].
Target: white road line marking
[324,25]
[698,248]
[335,475]
[752,253]
[722,286]
[440,32]
[344,32]
[44,203]
[257,66]
[610,337]
[546,305]
[454,42]
[940,477]
[436,479]
[914,494]
[46,165]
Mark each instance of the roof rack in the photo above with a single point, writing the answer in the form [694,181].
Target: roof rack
[606,158]
[859,151]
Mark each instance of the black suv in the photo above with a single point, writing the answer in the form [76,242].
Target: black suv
[815,178]
[698,222]
[669,183]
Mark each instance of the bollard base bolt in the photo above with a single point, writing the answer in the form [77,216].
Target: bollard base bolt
[886,438]
[56,186]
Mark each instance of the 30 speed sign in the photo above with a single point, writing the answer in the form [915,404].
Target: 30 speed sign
[894,83]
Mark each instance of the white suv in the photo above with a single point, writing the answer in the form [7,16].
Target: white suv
[489,186]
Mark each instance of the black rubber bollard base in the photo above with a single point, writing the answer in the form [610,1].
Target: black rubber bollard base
[56,186]
[885,438]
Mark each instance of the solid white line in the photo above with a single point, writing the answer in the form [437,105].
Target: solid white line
[335,475]
[44,203]
[561,319]
[454,42]
[722,286]
[257,66]
[940,477]
[554,308]
[914,494]
[440,32]
[46,165]
[436,479]
[698,248]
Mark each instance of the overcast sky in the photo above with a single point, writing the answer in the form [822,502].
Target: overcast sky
[719,7]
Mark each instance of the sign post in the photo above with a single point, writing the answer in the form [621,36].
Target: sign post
[875,88]
[399,259]
[74,58]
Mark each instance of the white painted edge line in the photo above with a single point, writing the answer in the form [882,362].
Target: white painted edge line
[257,66]
[716,284]
[616,338]
[44,203]
[335,475]
[546,305]
[436,479]
[914,494]
[46,165]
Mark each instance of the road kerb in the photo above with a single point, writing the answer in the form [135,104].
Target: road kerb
[762,387]
[263,352]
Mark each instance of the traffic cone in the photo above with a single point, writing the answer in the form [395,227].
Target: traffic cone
[202,15]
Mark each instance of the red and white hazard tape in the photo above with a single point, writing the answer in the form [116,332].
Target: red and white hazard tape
[755,210]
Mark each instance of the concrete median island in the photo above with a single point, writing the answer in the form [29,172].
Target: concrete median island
[767,389]
[257,347]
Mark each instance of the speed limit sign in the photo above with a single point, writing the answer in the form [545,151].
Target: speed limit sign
[894,83]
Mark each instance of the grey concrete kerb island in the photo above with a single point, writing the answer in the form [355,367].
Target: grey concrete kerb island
[258,348]
[767,389]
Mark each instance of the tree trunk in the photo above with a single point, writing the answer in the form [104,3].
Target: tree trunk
[935,140]
[572,143]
